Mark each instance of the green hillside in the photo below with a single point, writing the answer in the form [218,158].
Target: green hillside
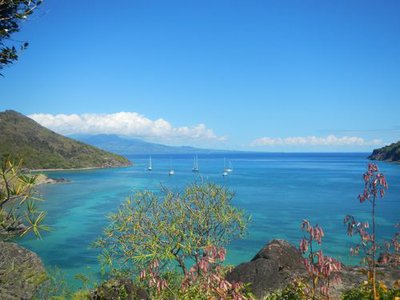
[41,148]
[387,153]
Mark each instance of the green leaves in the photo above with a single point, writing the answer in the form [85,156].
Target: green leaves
[172,227]
[18,210]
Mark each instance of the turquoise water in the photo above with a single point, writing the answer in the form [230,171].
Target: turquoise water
[277,190]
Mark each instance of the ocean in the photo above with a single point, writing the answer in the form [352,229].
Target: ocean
[278,190]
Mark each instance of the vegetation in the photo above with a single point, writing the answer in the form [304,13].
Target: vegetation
[12,13]
[18,211]
[172,228]
[375,186]
[294,291]
[205,280]
[322,270]
[388,153]
[364,292]
[41,148]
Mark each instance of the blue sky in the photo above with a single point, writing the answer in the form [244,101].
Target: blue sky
[256,75]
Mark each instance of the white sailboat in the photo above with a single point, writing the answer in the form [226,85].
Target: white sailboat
[150,167]
[225,173]
[171,171]
[195,164]
[229,169]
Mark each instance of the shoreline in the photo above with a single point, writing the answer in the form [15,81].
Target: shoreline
[77,169]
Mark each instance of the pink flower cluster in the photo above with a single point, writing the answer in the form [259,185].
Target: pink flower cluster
[152,275]
[208,273]
[392,254]
[322,270]
[375,183]
[357,227]
[316,233]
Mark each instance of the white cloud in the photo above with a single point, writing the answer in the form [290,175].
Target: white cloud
[123,123]
[330,140]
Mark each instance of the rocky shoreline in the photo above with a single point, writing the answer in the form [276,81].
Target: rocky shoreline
[44,179]
[21,272]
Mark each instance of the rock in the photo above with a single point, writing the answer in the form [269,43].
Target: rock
[278,263]
[10,228]
[274,267]
[43,179]
[115,289]
[21,272]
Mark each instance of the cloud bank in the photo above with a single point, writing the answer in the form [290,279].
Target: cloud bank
[330,140]
[123,123]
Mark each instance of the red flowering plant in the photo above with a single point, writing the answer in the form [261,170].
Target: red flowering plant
[392,250]
[151,274]
[323,270]
[204,280]
[375,186]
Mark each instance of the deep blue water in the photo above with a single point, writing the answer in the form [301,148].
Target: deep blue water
[277,190]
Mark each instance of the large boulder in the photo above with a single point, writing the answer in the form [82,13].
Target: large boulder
[21,272]
[274,267]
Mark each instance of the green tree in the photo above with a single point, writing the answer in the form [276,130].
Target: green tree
[170,227]
[12,13]
[18,211]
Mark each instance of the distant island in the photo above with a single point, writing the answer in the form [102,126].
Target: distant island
[41,148]
[387,153]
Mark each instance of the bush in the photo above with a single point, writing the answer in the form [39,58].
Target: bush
[172,228]
[365,292]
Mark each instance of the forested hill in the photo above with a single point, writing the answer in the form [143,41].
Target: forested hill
[387,153]
[41,148]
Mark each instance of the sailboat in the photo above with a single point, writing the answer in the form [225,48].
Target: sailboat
[229,169]
[150,167]
[171,171]
[225,173]
[195,164]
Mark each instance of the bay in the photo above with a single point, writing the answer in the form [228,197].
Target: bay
[278,190]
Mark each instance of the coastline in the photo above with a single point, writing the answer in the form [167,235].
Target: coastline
[77,169]
[44,179]
[71,169]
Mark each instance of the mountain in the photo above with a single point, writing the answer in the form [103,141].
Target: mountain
[387,153]
[41,148]
[129,146]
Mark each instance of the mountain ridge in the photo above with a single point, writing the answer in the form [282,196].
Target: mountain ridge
[135,146]
[41,148]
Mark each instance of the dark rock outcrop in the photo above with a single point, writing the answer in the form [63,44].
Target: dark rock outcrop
[21,272]
[274,267]
[114,289]
[278,263]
